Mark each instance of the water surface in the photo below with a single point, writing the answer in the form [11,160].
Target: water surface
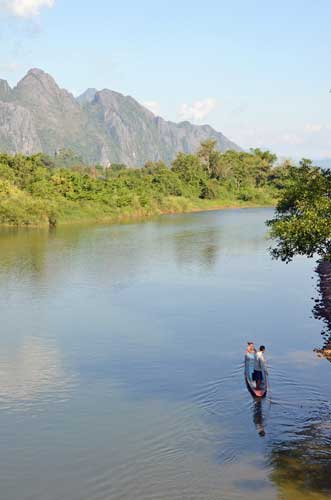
[121,373]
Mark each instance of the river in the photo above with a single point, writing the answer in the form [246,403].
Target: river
[121,364]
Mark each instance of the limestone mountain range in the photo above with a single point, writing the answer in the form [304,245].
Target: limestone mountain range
[101,126]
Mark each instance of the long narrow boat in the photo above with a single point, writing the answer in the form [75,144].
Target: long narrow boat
[251,386]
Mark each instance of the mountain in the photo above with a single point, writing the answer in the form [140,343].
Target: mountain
[87,96]
[5,90]
[101,126]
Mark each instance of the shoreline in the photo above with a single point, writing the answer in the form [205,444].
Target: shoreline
[139,215]
[221,207]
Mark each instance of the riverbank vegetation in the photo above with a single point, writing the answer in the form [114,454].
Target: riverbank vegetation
[302,226]
[38,190]
[302,223]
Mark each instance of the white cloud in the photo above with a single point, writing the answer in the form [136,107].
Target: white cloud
[153,106]
[26,8]
[198,110]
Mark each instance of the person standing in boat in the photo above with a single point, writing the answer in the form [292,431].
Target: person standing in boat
[250,356]
[259,367]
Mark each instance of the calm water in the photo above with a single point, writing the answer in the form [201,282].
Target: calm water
[121,373]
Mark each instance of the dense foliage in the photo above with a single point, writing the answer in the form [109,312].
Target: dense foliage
[302,224]
[38,189]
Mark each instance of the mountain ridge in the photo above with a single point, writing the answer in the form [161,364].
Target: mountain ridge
[102,126]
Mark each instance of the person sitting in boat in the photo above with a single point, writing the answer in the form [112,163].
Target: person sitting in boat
[259,367]
[250,355]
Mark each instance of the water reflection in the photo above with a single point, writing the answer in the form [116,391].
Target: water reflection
[23,251]
[202,248]
[258,417]
[300,456]
[302,467]
[159,409]
[30,371]
[322,308]
[118,253]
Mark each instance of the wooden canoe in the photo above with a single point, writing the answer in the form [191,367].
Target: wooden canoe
[251,386]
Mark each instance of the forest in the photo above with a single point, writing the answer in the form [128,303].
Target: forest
[40,190]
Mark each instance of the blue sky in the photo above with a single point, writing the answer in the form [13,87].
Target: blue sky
[259,72]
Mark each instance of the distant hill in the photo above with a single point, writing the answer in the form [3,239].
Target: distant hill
[101,126]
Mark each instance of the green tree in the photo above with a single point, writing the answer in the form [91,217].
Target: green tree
[36,189]
[209,157]
[191,172]
[302,223]
[266,161]
[280,174]
[166,181]
[117,167]
[67,158]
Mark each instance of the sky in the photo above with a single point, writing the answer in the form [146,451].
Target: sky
[259,72]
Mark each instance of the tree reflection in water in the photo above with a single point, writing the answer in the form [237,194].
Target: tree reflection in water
[302,465]
[322,308]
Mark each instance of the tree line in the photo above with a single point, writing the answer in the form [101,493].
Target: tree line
[39,189]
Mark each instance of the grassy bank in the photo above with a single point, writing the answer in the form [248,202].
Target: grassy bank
[24,211]
[35,192]
[86,213]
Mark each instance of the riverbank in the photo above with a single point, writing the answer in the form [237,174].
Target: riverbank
[35,194]
[94,213]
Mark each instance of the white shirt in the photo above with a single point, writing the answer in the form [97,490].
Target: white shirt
[259,361]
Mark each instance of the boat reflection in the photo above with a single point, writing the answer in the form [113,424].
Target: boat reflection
[258,417]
